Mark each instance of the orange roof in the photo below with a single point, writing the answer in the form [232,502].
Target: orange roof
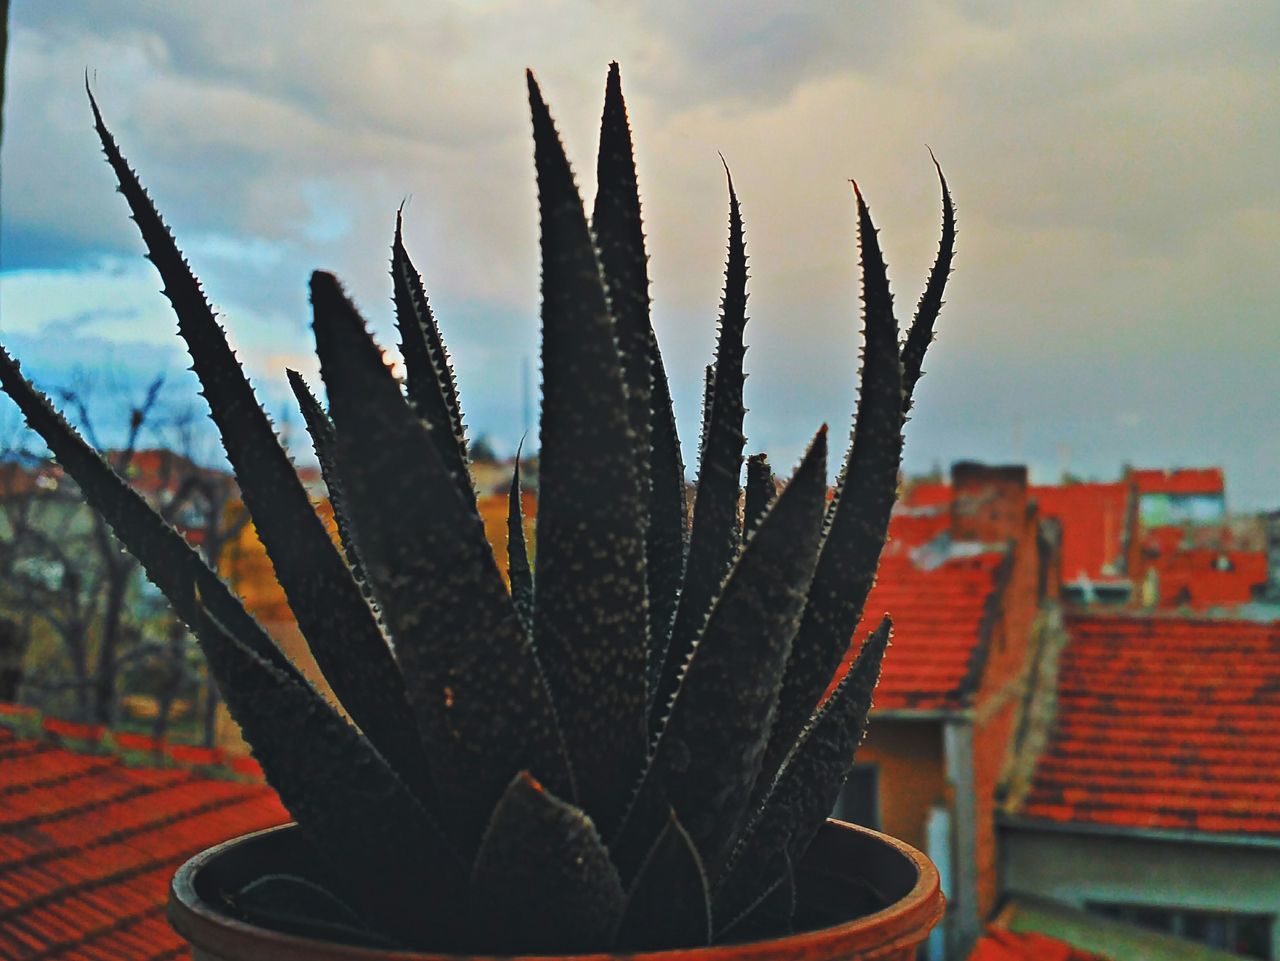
[999,944]
[1093,518]
[1201,578]
[938,605]
[1179,481]
[1165,722]
[927,494]
[88,845]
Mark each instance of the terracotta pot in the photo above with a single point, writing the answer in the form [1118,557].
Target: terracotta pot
[848,871]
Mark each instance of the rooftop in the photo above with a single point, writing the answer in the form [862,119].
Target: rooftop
[938,594]
[88,845]
[1165,723]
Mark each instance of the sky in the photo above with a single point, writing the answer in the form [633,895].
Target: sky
[1113,165]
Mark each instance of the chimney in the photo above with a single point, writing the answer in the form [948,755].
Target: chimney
[988,504]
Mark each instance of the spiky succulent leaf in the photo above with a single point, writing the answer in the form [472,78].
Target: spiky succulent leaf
[323,440]
[591,629]
[619,234]
[771,914]
[920,334]
[807,786]
[858,519]
[429,377]
[619,231]
[668,532]
[381,850]
[669,905]
[519,573]
[166,558]
[760,492]
[298,905]
[542,882]
[479,699]
[708,754]
[331,612]
[713,541]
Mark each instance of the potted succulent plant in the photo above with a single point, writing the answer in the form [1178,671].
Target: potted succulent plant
[629,749]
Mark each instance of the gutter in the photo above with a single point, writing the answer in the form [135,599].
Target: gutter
[1023,823]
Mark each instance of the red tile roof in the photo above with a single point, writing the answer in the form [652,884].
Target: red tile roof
[1163,722]
[927,494]
[999,944]
[1093,518]
[1202,578]
[88,845]
[938,606]
[1179,481]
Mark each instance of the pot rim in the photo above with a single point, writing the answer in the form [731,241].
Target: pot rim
[206,927]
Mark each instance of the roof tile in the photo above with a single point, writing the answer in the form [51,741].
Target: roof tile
[1165,723]
[88,845]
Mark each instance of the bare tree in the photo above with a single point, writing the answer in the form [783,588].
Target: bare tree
[64,574]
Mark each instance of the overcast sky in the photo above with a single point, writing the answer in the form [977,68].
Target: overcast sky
[1114,165]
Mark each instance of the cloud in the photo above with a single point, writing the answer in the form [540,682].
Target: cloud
[1118,215]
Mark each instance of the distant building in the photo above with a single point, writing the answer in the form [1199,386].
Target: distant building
[1183,496]
[1155,540]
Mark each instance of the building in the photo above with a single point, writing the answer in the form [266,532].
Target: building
[970,581]
[1182,496]
[1156,799]
[1098,532]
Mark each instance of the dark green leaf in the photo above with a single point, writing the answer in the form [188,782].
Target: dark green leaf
[760,492]
[668,531]
[619,232]
[708,755]
[858,519]
[669,905]
[339,626]
[808,784]
[591,630]
[297,905]
[518,570]
[429,377]
[323,440]
[380,849]
[713,542]
[921,333]
[477,693]
[770,916]
[542,881]
[167,559]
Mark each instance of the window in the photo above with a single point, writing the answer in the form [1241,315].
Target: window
[859,800]
[1245,934]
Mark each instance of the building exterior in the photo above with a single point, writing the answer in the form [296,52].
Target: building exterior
[968,583]
[1182,496]
[1098,530]
[1157,798]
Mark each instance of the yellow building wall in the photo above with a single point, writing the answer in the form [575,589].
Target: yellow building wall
[912,776]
